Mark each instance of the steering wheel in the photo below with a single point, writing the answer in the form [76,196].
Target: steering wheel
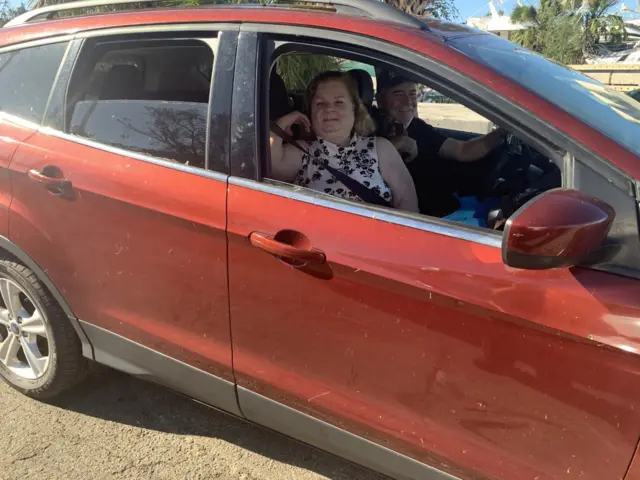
[510,165]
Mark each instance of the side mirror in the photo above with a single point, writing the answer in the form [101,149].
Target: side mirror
[559,228]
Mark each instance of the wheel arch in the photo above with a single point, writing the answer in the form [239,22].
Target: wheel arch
[13,251]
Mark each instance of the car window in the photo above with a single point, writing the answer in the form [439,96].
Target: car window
[147,99]
[446,114]
[467,189]
[613,113]
[26,77]
[173,131]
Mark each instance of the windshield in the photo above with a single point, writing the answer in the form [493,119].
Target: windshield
[613,113]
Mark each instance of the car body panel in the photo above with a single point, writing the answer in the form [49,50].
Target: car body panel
[139,250]
[12,132]
[634,469]
[432,347]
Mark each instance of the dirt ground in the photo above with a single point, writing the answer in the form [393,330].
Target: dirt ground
[117,427]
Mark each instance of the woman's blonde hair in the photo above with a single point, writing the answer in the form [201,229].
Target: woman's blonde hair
[363,124]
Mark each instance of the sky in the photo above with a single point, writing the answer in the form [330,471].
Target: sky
[477,8]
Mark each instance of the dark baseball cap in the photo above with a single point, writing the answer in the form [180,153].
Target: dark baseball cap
[386,78]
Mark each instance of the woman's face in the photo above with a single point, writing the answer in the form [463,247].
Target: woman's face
[332,111]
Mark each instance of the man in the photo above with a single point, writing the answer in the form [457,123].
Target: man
[427,152]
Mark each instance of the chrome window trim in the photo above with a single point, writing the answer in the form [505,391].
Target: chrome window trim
[37,43]
[406,219]
[220,177]
[19,121]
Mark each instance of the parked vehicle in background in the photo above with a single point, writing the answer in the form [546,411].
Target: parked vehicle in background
[140,229]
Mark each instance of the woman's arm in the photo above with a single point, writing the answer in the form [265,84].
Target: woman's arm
[396,175]
[286,160]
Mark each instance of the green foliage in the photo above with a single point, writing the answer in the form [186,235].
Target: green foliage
[444,9]
[297,70]
[565,30]
[8,12]
[568,51]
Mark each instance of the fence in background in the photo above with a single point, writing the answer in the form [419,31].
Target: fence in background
[619,76]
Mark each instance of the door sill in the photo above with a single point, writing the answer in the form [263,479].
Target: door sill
[122,354]
[310,430]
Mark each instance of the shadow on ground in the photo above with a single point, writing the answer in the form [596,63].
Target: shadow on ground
[118,397]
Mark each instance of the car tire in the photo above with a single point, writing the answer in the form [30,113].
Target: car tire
[40,352]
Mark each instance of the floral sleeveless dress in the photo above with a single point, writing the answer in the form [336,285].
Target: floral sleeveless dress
[359,160]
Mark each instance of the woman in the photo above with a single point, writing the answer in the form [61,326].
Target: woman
[341,124]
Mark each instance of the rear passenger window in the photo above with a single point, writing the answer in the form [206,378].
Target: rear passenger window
[146,97]
[26,78]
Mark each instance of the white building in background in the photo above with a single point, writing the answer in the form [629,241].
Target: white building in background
[495,23]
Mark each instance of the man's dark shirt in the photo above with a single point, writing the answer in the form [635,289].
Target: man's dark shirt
[432,175]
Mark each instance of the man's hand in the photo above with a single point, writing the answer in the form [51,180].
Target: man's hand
[474,149]
[406,147]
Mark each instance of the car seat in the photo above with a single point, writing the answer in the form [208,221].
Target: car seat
[122,82]
[279,100]
[365,86]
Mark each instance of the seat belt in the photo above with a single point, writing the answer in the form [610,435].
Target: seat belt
[365,193]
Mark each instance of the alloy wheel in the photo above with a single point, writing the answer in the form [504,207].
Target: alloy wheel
[24,336]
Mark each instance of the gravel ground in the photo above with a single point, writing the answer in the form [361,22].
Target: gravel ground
[117,427]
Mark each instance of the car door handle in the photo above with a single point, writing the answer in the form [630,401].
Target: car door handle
[40,177]
[52,179]
[269,244]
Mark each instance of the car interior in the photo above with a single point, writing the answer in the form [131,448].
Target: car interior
[489,190]
[150,99]
[179,73]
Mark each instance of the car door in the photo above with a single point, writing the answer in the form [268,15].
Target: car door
[404,342]
[121,199]
[27,73]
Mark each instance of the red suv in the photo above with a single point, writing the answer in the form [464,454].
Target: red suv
[140,229]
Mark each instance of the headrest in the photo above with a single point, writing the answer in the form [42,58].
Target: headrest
[365,85]
[279,104]
[122,82]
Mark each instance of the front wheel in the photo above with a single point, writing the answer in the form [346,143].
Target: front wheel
[40,352]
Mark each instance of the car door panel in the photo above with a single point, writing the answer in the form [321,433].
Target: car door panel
[429,345]
[140,248]
[12,132]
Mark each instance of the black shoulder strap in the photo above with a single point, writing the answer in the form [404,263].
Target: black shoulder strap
[365,193]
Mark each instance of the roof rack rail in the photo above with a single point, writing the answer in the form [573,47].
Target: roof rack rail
[370,8]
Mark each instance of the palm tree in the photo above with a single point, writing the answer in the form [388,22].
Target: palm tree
[7,12]
[444,9]
[526,15]
[568,30]
[601,24]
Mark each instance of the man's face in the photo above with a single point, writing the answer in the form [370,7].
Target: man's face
[401,102]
